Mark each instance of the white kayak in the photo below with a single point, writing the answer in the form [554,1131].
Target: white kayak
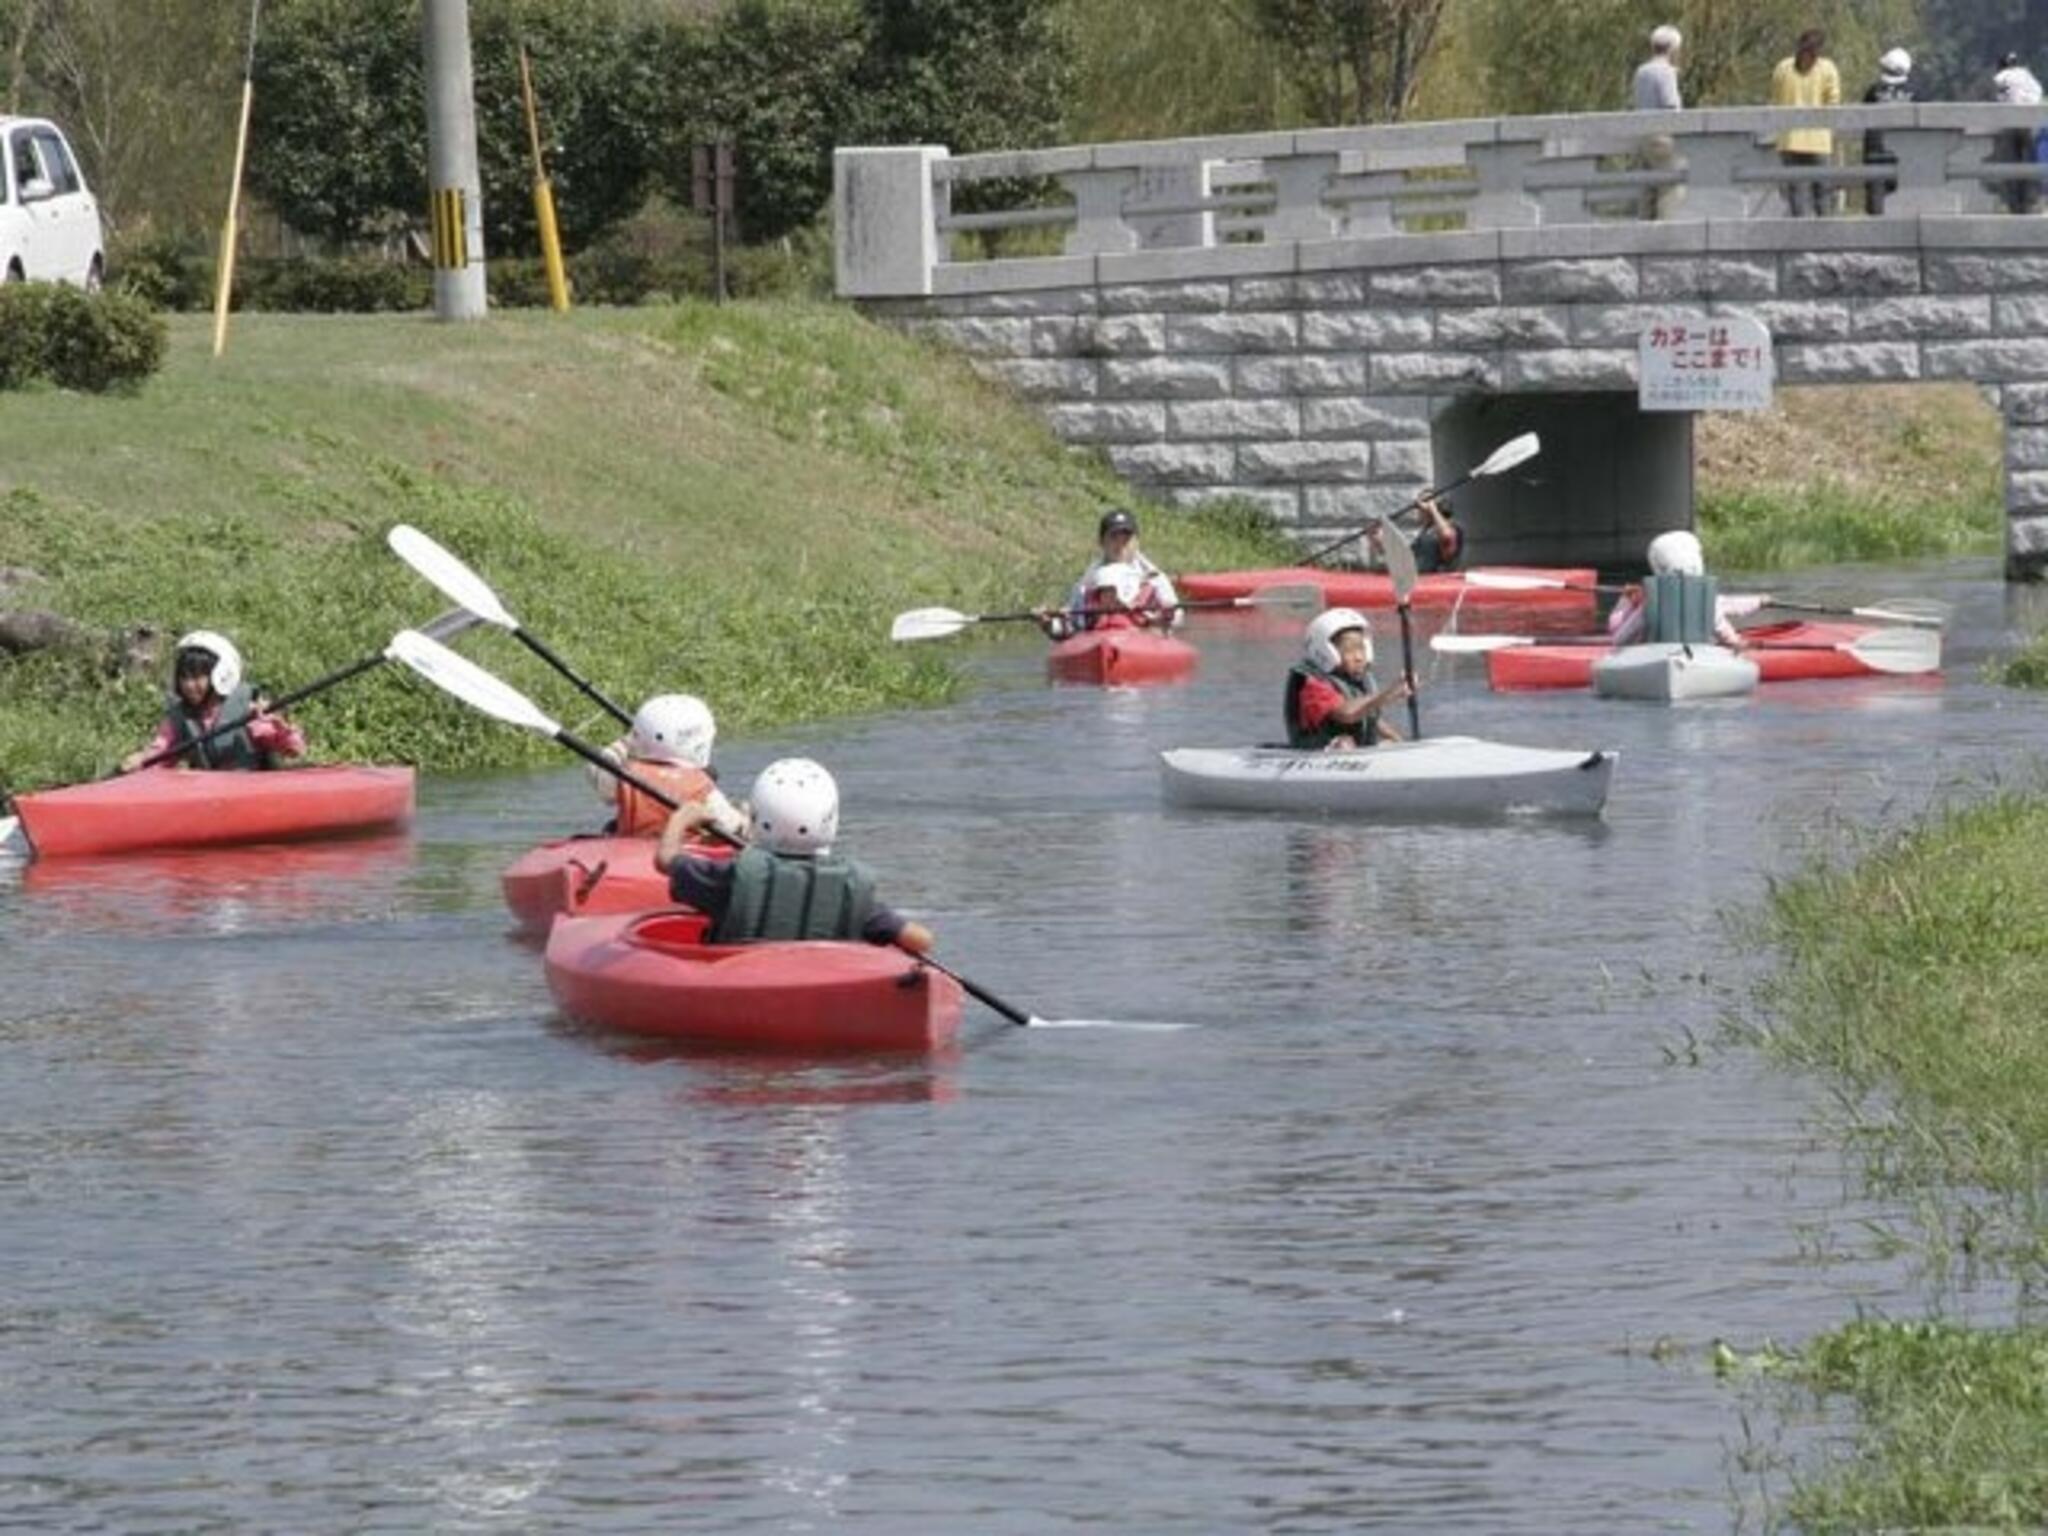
[1672,674]
[1440,776]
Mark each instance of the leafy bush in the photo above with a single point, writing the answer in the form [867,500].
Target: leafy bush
[76,340]
[165,272]
[320,286]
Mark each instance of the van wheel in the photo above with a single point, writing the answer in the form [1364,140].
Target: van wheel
[95,276]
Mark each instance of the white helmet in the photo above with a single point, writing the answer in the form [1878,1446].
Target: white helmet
[1120,577]
[226,675]
[1895,64]
[1677,553]
[673,728]
[1320,644]
[796,807]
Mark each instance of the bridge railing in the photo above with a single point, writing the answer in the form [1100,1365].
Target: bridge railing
[898,231]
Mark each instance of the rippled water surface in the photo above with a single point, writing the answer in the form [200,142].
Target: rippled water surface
[316,1217]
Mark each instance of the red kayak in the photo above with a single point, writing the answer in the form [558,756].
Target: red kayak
[1790,652]
[588,876]
[1118,658]
[651,974]
[1375,589]
[180,808]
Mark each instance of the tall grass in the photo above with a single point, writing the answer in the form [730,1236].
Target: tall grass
[1824,524]
[1916,978]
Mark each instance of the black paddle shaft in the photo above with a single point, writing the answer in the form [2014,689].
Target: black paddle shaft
[1408,673]
[589,689]
[1434,494]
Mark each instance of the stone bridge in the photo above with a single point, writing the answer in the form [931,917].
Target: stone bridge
[1324,322]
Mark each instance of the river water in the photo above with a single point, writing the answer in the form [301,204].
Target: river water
[316,1217]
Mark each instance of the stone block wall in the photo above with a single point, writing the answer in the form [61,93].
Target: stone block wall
[1312,393]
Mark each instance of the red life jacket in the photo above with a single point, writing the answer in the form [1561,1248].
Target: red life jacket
[643,816]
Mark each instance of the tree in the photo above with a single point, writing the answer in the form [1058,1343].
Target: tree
[1966,38]
[970,74]
[1356,61]
[780,79]
[339,144]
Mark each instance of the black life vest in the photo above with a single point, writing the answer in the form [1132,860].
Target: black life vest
[230,749]
[775,897]
[1366,732]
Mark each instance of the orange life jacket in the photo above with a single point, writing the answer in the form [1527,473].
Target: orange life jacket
[643,816]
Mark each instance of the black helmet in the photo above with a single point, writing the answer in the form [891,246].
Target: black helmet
[1116,520]
[2009,61]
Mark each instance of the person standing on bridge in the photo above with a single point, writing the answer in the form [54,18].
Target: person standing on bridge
[2015,86]
[1656,90]
[1806,79]
[1893,87]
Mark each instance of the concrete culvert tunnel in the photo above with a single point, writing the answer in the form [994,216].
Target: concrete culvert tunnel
[1610,478]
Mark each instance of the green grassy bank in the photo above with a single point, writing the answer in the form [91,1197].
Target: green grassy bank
[1831,474]
[1916,977]
[733,501]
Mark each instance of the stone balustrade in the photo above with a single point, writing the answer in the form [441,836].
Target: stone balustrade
[1293,318]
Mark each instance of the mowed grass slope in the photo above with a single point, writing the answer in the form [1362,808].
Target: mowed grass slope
[733,501]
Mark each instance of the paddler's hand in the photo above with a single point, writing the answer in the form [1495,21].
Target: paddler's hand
[134,760]
[684,822]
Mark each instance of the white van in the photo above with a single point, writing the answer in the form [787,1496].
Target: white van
[49,219]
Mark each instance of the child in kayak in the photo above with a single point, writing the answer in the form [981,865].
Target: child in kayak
[1114,597]
[669,745]
[1677,554]
[207,692]
[1333,702]
[1116,538]
[1439,545]
[787,884]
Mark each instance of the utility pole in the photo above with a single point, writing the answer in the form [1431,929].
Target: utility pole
[453,185]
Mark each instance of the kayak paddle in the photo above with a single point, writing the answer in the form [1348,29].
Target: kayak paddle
[1900,651]
[938,623]
[483,691]
[446,627]
[1921,611]
[1401,570]
[464,586]
[1514,451]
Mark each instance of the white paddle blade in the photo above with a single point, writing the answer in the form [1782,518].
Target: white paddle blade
[1299,594]
[1908,610]
[1400,559]
[1462,645]
[462,585]
[467,681]
[13,845]
[1514,581]
[1903,651]
[1510,453]
[929,624]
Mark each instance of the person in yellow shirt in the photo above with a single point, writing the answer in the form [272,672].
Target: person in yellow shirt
[1806,80]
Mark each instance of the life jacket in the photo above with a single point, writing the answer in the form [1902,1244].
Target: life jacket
[1430,555]
[640,815]
[1366,731]
[778,898]
[231,749]
[1679,610]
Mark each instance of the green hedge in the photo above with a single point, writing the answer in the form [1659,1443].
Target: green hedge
[76,340]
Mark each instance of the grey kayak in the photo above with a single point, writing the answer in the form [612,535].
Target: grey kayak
[1672,674]
[1447,776]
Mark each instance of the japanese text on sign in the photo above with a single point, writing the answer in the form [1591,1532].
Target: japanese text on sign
[1723,364]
